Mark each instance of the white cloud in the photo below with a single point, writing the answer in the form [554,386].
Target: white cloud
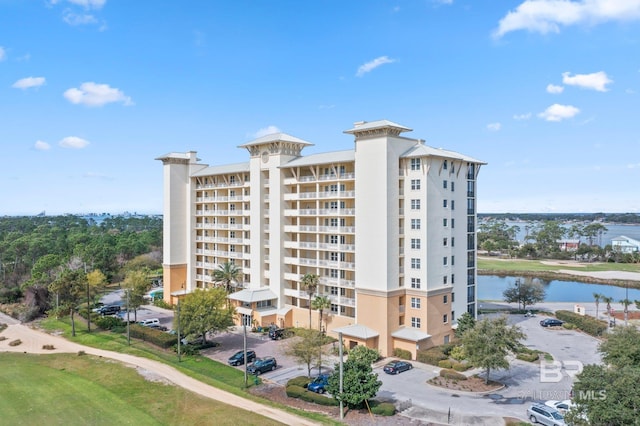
[547,16]
[269,130]
[494,127]
[443,1]
[89,4]
[557,112]
[28,82]
[370,66]
[75,19]
[3,54]
[596,81]
[522,116]
[552,88]
[92,94]
[42,146]
[73,142]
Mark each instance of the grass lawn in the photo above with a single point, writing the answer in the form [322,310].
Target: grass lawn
[68,389]
[518,265]
[199,367]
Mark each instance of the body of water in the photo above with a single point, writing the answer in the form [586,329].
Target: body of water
[613,231]
[491,287]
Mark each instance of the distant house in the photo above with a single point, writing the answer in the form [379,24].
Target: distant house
[568,245]
[624,244]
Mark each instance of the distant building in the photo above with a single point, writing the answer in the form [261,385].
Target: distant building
[389,227]
[569,245]
[624,244]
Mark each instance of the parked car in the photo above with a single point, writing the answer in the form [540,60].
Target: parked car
[109,310]
[262,365]
[319,384]
[158,327]
[561,406]
[238,357]
[540,413]
[396,367]
[150,322]
[551,322]
[276,333]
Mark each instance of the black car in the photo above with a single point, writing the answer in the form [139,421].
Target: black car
[238,357]
[262,365]
[109,310]
[551,322]
[396,367]
[276,333]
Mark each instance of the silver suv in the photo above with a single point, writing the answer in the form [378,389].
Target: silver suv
[540,413]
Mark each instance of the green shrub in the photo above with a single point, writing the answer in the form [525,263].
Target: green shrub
[431,356]
[108,322]
[452,374]
[382,408]
[460,366]
[299,392]
[3,326]
[445,363]
[15,342]
[458,353]
[528,356]
[589,325]
[152,335]
[160,303]
[402,353]
[301,381]
[569,326]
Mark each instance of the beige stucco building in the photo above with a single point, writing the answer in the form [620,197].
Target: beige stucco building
[388,227]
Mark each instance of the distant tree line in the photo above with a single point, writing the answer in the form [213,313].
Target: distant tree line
[39,253]
[623,218]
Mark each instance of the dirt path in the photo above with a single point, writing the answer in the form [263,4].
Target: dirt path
[33,341]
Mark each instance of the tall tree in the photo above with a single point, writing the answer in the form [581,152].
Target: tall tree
[205,311]
[320,303]
[489,342]
[466,321]
[607,300]
[597,297]
[306,347]
[69,288]
[309,283]
[95,280]
[359,383]
[227,275]
[136,283]
[527,293]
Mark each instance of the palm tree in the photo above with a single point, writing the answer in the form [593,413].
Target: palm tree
[597,297]
[320,303]
[309,283]
[227,275]
[607,300]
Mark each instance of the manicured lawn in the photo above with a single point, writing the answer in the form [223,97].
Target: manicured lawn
[64,389]
[492,264]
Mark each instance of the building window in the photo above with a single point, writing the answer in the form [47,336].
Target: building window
[452,186]
[415,282]
[232,207]
[444,184]
[444,203]
[333,256]
[415,322]
[415,164]
[453,260]
[453,223]
[333,273]
[444,260]
[232,179]
[415,204]
[453,204]
[232,248]
[445,319]
[415,223]
[333,291]
[415,302]
[453,281]
[444,279]
[444,242]
[333,239]
[445,164]
[415,184]
[453,242]
[232,234]
[415,243]
[334,308]
[453,297]
[232,221]
[453,315]
[444,222]
[415,263]
[445,299]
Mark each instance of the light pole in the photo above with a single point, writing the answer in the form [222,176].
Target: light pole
[178,311]
[245,318]
[128,322]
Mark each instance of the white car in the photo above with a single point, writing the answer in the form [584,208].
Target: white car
[562,406]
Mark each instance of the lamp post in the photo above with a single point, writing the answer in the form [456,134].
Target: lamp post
[128,322]
[178,312]
[245,318]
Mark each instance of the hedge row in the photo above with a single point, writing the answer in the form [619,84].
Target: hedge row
[431,356]
[452,374]
[382,408]
[299,392]
[152,335]
[458,366]
[402,353]
[589,325]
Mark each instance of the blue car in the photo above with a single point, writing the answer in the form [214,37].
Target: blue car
[319,384]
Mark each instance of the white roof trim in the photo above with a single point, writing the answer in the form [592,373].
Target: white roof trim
[408,333]
[358,331]
[249,295]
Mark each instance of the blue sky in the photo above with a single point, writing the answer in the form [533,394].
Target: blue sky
[92,91]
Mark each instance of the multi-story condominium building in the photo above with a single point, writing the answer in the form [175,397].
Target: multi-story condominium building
[388,227]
